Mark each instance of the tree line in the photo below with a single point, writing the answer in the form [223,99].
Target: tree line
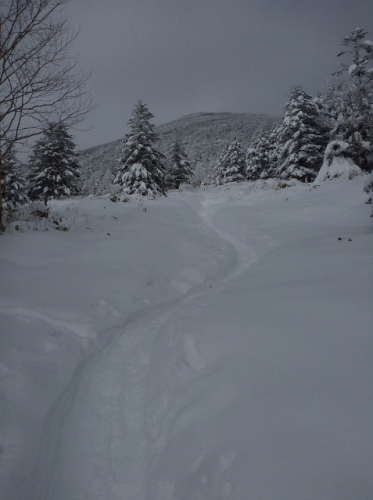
[54,169]
[339,119]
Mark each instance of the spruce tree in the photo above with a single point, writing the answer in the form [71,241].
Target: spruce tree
[54,166]
[354,100]
[253,164]
[180,170]
[13,185]
[274,151]
[219,167]
[141,168]
[258,158]
[301,139]
[234,165]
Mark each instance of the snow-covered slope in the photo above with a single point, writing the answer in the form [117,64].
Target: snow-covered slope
[214,344]
[204,136]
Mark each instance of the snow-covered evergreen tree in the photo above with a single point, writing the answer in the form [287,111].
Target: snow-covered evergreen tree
[179,167]
[274,144]
[253,163]
[258,158]
[217,170]
[301,138]
[141,168]
[339,111]
[54,166]
[234,166]
[13,185]
[354,99]
[231,165]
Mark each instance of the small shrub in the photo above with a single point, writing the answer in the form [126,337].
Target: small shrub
[41,213]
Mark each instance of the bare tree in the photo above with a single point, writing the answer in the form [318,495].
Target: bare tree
[39,80]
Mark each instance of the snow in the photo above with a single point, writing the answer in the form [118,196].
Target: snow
[336,164]
[212,345]
[339,167]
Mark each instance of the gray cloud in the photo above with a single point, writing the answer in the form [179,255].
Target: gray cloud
[185,56]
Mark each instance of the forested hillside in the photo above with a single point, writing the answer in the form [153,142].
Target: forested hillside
[203,135]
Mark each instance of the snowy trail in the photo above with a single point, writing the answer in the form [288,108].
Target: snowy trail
[245,253]
[106,419]
[208,346]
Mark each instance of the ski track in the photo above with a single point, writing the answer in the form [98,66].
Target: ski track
[118,444]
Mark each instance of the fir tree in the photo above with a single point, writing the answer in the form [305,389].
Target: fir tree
[54,166]
[354,100]
[253,163]
[301,139]
[258,158]
[13,185]
[180,170]
[219,167]
[234,164]
[141,169]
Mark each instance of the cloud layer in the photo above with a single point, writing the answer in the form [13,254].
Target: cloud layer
[185,56]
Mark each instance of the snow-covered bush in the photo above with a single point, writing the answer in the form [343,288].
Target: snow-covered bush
[337,162]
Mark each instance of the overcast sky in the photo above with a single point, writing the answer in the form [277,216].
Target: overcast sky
[186,56]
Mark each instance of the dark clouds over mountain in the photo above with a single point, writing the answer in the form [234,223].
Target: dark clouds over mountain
[186,56]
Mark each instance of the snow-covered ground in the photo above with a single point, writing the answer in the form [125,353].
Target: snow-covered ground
[216,344]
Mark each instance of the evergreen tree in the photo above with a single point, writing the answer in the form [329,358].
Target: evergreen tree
[141,169]
[54,166]
[180,170]
[301,139]
[13,185]
[258,158]
[353,101]
[217,170]
[253,162]
[234,164]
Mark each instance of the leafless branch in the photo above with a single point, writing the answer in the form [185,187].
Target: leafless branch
[39,80]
